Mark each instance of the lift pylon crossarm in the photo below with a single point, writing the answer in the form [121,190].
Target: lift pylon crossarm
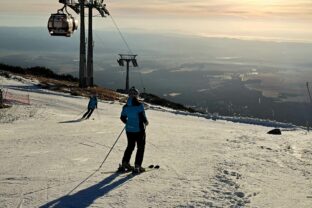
[128,56]
[101,8]
[97,4]
[127,59]
[73,4]
[103,11]
[68,2]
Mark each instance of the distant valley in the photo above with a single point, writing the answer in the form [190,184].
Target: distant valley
[216,75]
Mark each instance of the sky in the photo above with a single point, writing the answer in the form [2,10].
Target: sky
[247,19]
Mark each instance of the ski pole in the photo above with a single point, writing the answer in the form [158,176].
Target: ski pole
[97,112]
[309,92]
[87,178]
[308,127]
[80,113]
[111,148]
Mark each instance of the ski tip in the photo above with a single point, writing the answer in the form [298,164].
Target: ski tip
[154,166]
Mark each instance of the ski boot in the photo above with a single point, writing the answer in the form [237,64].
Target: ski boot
[124,168]
[138,170]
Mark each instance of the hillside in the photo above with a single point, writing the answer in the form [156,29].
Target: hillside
[50,159]
[47,79]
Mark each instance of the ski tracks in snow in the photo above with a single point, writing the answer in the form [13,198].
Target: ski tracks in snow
[258,165]
[203,163]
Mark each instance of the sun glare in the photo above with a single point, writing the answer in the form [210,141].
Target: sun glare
[264,2]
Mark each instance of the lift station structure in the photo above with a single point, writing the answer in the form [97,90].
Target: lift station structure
[63,23]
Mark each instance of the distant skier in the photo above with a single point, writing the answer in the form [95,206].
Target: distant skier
[133,115]
[91,106]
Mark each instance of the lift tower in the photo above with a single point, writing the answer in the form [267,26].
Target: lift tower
[82,55]
[101,8]
[61,24]
[127,58]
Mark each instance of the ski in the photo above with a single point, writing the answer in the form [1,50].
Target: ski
[116,172]
[147,169]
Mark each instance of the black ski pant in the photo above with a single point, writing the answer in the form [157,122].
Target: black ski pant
[133,138]
[88,113]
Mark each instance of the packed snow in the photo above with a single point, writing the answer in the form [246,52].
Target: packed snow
[48,158]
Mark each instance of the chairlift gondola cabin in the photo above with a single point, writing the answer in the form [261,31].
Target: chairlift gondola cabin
[61,24]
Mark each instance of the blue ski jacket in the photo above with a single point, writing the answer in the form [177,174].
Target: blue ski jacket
[92,102]
[133,115]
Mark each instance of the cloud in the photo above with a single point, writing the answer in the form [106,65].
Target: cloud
[179,8]
[32,7]
[204,8]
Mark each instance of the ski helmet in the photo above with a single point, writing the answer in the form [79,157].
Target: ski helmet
[133,92]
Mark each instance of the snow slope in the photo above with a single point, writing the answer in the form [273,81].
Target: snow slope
[49,159]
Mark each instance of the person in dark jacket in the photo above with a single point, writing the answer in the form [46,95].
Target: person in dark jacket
[91,106]
[133,115]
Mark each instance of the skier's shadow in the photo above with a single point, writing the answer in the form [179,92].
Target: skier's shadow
[84,198]
[72,121]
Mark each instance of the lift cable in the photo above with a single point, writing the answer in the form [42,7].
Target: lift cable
[123,38]
[125,42]
[128,47]
[121,35]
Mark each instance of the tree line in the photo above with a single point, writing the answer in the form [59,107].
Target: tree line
[37,71]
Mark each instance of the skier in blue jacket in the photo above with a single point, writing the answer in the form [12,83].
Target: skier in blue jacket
[133,115]
[91,106]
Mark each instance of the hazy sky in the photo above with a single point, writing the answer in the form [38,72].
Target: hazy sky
[268,19]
